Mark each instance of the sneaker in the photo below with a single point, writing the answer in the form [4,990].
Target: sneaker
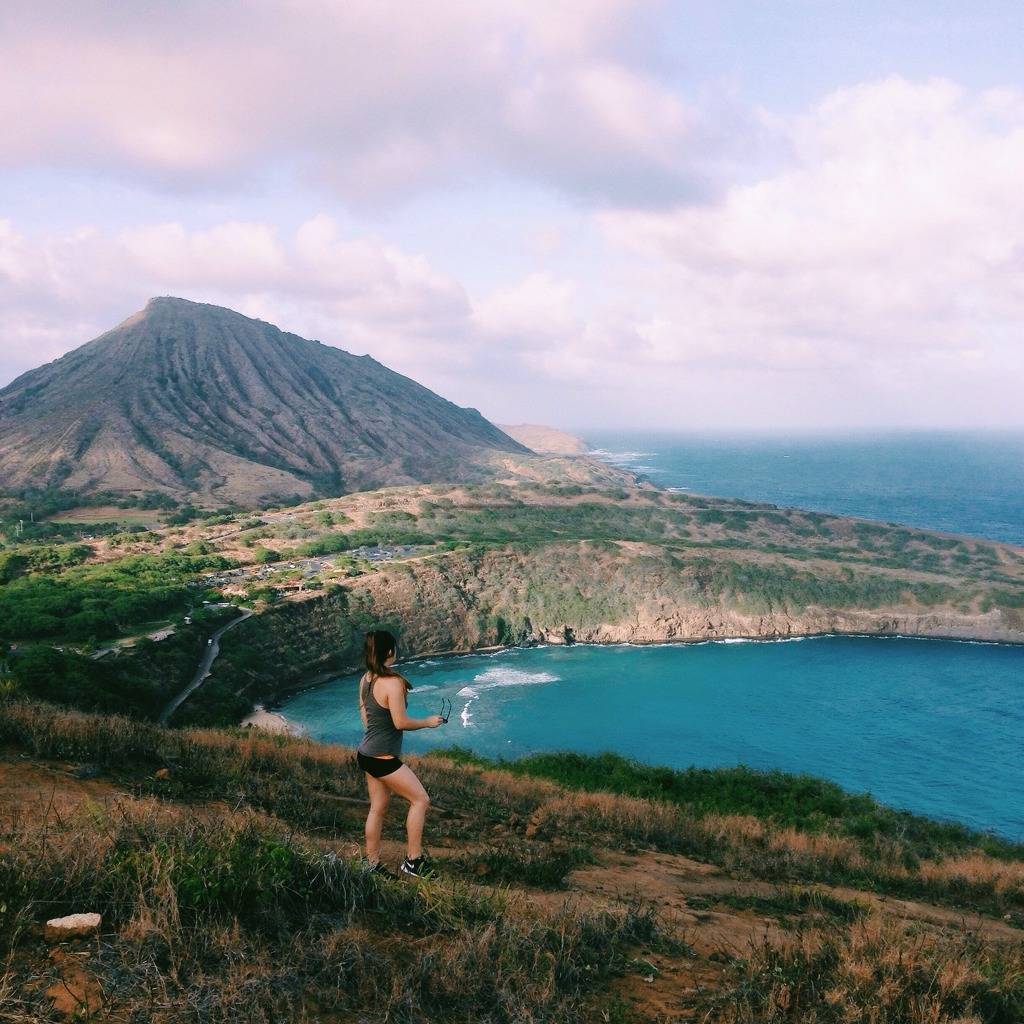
[418,868]
[378,869]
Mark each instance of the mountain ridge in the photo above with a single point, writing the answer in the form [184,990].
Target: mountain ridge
[202,403]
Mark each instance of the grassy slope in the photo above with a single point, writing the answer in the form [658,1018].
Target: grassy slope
[258,912]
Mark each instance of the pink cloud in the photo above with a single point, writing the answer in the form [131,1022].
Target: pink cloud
[896,230]
[373,98]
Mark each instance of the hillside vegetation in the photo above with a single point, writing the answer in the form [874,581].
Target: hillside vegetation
[571,889]
[457,568]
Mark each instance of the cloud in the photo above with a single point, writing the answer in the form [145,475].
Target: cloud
[375,99]
[874,279]
[888,253]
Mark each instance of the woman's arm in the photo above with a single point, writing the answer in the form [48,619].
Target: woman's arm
[395,690]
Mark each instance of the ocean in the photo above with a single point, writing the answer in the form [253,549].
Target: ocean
[971,483]
[933,726]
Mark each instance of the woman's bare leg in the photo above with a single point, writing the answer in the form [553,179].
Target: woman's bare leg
[379,797]
[405,784]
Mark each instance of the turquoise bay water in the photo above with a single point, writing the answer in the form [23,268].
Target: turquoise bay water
[934,726]
[970,483]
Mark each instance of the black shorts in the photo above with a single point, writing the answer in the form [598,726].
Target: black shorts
[378,767]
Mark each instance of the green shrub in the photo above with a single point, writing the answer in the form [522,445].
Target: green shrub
[786,799]
[98,600]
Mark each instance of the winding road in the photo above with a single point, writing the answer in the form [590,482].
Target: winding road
[205,665]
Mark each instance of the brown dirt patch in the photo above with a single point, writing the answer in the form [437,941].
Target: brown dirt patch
[31,788]
[76,993]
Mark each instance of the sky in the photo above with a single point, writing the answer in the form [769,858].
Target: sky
[728,215]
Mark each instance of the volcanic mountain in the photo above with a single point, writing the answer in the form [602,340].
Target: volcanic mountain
[202,403]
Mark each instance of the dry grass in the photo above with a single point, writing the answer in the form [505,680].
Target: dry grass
[319,788]
[976,871]
[876,971]
[236,917]
[234,905]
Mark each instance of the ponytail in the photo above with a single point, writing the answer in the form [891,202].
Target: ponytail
[377,648]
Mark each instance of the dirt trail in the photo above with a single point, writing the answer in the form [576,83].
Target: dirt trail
[686,887]
[43,790]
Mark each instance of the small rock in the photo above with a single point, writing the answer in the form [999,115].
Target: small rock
[86,771]
[76,926]
[162,773]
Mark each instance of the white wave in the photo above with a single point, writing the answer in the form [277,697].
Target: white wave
[466,716]
[466,691]
[495,677]
[924,639]
[603,453]
[760,639]
[424,688]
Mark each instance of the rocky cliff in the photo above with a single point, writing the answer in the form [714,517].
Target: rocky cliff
[546,440]
[585,592]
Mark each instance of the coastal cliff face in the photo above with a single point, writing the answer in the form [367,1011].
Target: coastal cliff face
[597,592]
[557,562]
[545,440]
[588,593]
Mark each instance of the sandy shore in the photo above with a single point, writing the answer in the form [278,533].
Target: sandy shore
[271,721]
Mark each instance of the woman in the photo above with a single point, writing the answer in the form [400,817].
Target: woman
[382,707]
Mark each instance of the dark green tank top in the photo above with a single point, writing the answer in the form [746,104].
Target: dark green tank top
[381,736]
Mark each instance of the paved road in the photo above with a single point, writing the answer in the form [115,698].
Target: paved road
[157,635]
[205,665]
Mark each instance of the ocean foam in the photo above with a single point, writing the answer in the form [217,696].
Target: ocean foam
[495,677]
[603,453]
[424,687]
[758,640]
[466,691]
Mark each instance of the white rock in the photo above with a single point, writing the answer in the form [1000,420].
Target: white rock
[76,926]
